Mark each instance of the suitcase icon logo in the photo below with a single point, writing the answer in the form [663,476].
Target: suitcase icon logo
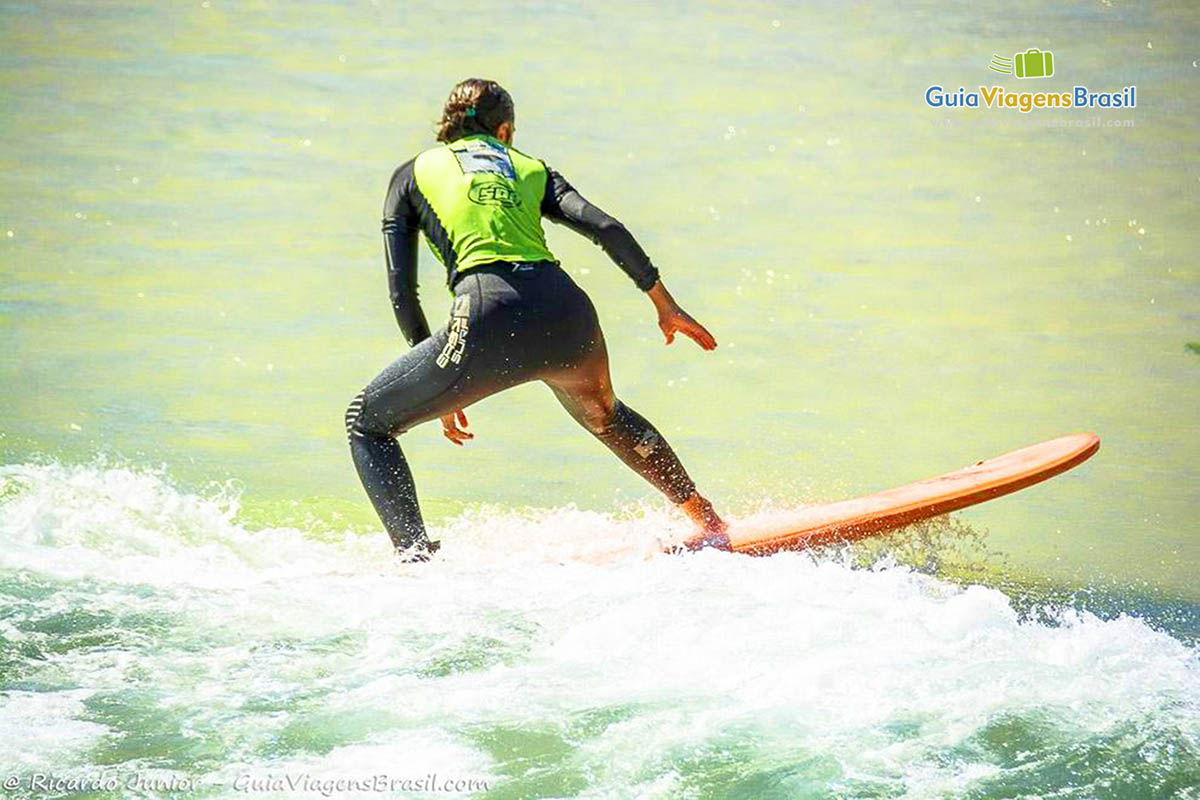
[1033,63]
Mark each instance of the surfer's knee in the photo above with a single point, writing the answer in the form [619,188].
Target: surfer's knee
[357,420]
[598,415]
[375,417]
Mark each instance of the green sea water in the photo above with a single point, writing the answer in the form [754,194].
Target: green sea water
[192,290]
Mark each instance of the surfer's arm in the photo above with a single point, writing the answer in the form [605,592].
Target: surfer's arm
[563,204]
[400,229]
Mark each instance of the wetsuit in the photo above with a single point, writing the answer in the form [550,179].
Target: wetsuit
[516,316]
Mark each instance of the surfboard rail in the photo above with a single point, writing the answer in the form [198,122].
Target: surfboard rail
[847,520]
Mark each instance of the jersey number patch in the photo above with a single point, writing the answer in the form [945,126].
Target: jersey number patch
[480,155]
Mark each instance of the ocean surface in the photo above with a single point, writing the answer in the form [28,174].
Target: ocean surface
[197,600]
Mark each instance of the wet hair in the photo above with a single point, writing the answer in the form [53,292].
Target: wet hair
[474,106]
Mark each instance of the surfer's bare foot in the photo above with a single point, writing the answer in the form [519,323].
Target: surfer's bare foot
[712,527]
[422,551]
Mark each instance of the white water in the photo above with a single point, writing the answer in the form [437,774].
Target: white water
[143,626]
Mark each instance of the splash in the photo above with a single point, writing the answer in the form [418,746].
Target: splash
[145,627]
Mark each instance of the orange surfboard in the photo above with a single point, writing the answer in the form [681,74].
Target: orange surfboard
[862,516]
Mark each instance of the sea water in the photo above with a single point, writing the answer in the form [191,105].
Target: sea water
[195,596]
[150,636]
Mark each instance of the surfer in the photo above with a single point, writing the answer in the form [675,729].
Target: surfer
[516,315]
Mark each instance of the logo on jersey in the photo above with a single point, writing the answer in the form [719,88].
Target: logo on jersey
[494,193]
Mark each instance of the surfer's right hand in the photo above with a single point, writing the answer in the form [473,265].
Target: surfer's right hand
[451,429]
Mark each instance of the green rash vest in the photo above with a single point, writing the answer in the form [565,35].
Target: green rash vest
[488,197]
[479,201]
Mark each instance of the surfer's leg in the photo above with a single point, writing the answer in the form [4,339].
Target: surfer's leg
[585,391]
[388,481]
[376,415]
[452,369]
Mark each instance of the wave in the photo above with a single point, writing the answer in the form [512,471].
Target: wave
[144,626]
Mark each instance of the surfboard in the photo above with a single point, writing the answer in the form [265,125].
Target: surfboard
[859,517]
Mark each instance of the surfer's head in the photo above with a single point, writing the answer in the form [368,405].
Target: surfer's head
[477,106]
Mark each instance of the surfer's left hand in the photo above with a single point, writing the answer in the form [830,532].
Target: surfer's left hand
[677,320]
[450,429]
[672,319]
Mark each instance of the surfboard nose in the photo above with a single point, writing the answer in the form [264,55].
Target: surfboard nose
[863,516]
[1087,443]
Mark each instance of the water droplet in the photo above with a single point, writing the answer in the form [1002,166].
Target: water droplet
[770,148]
[978,199]
[135,179]
[1056,209]
[1141,231]
[308,142]
[774,23]
[1149,45]
[1068,237]
[11,234]
[342,58]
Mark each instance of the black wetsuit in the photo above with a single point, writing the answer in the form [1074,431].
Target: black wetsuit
[510,322]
